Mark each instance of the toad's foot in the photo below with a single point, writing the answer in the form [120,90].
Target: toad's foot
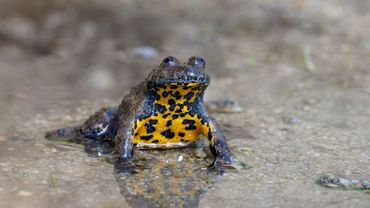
[219,165]
[125,166]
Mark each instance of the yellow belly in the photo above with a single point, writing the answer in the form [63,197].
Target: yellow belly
[168,128]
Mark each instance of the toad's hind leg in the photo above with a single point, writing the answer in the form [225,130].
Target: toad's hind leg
[66,133]
[101,125]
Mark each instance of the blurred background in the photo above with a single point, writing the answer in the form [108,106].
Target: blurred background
[65,50]
[305,58]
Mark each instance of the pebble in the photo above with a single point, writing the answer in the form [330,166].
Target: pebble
[180,158]
[2,138]
[101,77]
[246,150]
[144,51]
[67,118]
[199,153]
[291,120]
[24,193]
[224,106]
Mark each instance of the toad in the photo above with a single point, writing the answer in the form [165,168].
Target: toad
[166,110]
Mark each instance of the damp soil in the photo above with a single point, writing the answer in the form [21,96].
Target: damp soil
[298,70]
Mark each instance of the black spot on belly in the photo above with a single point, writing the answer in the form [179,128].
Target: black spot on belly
[181,134]
[152,122]
[169,123]
[156,141]
[198,87]
[150,129]
[173,87]
[174,116]
[172,104]
[186,87]
[146,138]
[150,126]
[178,111]
[176,95]
[159,108]
[164,94]
[168,134]
[189,95]
[165,115]
[190,123]
[192,113]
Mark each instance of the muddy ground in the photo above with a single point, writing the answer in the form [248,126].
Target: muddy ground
[299,69]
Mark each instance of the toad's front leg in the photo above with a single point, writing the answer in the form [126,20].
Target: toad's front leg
[217,144]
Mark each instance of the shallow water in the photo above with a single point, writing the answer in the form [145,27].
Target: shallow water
[165,178]
[299,70]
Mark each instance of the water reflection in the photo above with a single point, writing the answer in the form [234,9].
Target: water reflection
[171,178]
[166,178]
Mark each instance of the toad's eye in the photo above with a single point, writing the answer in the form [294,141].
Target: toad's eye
[196,61]
[170,61]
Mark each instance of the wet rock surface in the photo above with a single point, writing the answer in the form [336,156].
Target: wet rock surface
[298,70]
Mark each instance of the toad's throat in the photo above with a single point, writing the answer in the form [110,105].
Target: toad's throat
[173,121]
[178,94]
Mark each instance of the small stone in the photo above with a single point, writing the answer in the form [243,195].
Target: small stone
[310,101]
[199,153]
[67,118]
[291,120]
[180,158]
[2,138]
[54,150]
[246,150]
[144,51]
[316,154]
[24,193]
[100,77]
[224,106]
